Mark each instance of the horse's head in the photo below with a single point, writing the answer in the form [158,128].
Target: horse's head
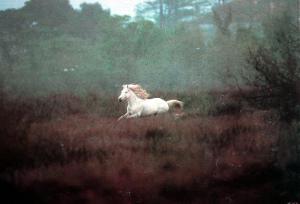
[125,93]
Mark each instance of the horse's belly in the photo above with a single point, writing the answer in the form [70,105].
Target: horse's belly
[155,106]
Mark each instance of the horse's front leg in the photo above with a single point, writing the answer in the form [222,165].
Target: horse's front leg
[136,115]
[123,116]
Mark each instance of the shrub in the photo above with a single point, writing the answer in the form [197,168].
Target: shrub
[276,67]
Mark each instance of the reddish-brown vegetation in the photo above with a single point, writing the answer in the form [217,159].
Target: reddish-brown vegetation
[75,156]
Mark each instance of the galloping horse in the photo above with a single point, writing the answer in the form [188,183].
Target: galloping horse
[139,105]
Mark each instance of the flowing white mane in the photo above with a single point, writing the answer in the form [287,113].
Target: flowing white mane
[139,91]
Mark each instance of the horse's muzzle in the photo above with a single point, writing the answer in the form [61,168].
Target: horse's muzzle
[120,100]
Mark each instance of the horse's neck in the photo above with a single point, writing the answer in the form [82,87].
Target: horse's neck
[133,99]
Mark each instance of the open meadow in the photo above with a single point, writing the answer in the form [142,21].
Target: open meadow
[59,151]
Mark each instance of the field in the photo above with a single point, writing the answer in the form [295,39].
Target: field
[67,149]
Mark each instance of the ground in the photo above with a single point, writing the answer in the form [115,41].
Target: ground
[84,157]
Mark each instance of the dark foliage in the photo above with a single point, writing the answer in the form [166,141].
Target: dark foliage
[276,63]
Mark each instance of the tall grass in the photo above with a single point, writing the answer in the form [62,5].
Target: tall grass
[70,149]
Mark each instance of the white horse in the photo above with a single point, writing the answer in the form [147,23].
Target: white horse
[139,105]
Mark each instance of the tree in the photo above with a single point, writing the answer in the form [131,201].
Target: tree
[169,13]
[257,10]
[48,13]
[89,22]
[222,18]
[276,67]
[12,34]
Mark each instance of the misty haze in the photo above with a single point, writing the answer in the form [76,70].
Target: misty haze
[157,101]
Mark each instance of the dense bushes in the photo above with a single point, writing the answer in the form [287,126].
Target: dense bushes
[276,66]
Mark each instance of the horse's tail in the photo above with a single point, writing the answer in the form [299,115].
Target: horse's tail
[175,104]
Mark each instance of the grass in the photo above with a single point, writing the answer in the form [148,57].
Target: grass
[67,149]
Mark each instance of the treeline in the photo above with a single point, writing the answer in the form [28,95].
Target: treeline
[49,47]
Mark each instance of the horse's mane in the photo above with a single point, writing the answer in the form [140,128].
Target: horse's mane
[139,91]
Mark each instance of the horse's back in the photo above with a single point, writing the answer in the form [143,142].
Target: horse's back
[159,102]
[155,106]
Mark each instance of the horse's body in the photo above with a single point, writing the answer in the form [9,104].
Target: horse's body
[139,105]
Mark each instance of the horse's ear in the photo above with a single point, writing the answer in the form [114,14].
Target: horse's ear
[124,85]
